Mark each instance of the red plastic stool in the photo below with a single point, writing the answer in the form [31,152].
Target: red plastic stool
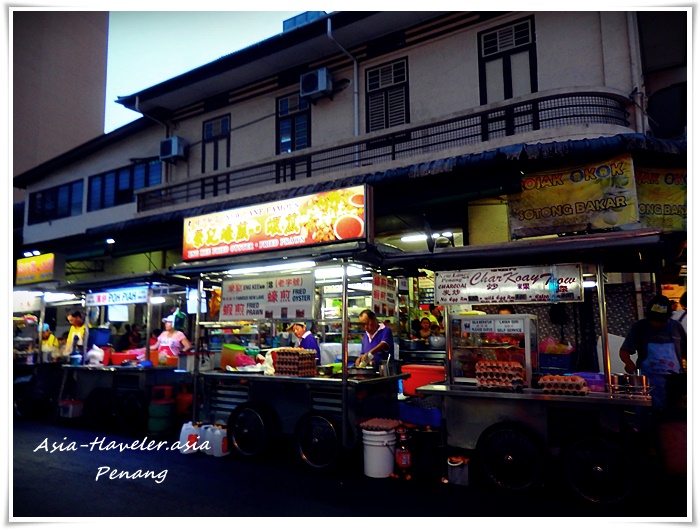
[162,393]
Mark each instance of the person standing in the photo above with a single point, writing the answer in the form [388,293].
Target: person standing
[49,344]
[681,315]
[170,342]
[76,333]
[660,344]
[377,341]
[306,339]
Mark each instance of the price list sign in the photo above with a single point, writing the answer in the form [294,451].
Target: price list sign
[289,297]
[543,284]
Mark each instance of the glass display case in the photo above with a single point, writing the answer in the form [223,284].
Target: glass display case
[502,337]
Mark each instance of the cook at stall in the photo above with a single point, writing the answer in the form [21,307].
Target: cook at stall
[377,342]
[170,342]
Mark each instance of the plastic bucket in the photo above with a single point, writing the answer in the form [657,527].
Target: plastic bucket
[378,453]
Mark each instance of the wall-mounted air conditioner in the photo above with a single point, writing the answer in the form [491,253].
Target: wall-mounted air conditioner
[316,84]
[173,148]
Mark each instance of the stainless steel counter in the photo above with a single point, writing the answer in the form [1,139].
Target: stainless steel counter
[472,392]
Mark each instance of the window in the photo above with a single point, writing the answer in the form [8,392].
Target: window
[387,96]
[216,128]
[115,188]
[216,143]
[56,203]
[507,61]
[293,124]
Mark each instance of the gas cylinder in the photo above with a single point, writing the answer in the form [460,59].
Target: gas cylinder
[402,455]
[183,401]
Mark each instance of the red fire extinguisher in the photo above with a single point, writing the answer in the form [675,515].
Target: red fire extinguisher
[402,455]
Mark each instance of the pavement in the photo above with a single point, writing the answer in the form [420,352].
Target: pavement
[76,482]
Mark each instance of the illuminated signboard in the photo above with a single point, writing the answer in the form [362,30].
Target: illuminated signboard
[117,297]
[532,284]
[286,297]
[326,217]
[36,269]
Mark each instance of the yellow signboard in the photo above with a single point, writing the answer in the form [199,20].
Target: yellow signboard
[35,269]
[325,217]
[662,195]
[588,197]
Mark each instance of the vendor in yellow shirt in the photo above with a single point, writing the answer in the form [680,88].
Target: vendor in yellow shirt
[77,328]
[49,344]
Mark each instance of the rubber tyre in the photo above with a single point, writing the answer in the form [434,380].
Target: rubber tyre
[599,470]
[251,429]
[510,458]
[318,441]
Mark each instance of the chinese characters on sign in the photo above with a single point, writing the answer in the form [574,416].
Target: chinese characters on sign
[383,295]
[510,285]
[272,297]
[330,216]
[117,297]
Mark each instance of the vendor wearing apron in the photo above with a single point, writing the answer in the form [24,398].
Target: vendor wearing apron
[170,342]
[660,344]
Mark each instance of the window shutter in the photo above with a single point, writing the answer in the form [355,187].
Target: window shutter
[397,106]
[506,38]
[376,112]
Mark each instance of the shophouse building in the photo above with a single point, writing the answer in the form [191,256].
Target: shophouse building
[439,113]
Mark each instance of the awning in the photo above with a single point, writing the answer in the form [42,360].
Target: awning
[149,279]
[618,251]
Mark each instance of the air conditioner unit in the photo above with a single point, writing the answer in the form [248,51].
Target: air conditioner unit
[173,148]
[315,84]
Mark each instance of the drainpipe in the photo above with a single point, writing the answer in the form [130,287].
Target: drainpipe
[355,89]
[637,77]
[167,133]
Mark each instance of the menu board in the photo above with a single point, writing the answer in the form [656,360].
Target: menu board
[281,297]
[383,295]
[326,217]
[532,284]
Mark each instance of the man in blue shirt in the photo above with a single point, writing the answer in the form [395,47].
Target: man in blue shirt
[306,339]
[377,340]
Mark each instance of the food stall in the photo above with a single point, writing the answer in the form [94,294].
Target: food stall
[115,388]
[304,259]
[496,402]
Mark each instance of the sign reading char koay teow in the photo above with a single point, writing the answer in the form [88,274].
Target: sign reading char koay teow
[541,284]
[278,297]
[337,215]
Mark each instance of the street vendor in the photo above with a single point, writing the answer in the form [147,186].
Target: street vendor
[49,344]
[170,342]
[660,344]
[306,339]
[76,333]
[377,342]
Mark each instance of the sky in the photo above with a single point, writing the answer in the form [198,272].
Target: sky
[142,51]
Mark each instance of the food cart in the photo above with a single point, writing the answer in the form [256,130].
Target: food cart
[302,259]
[518,429]
[117,390]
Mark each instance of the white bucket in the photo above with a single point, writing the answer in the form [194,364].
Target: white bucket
[379,453]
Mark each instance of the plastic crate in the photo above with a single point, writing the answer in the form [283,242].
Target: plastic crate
[411,413]
[420,376]
[556,361]
[594,381]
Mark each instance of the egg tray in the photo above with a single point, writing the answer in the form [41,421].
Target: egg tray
[564,385]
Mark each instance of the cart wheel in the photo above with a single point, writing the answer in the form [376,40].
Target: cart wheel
[317,441]
[599,470]
[510,457]
[250,429]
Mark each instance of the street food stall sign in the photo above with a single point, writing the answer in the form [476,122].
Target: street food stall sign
[321,218]
[117,297]
[285,297]
[539,284]
[502,326]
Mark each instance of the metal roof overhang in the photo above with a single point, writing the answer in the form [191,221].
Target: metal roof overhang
[290,49]
[618,251]
[149,279]
[358,251]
